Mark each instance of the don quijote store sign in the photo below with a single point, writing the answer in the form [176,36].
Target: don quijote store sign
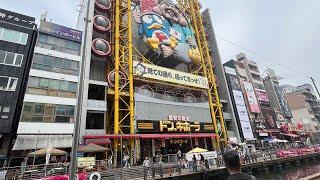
[174,124]
[169,75]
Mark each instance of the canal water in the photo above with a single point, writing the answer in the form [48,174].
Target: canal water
[292,171]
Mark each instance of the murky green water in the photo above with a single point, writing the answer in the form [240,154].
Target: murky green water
[292,172]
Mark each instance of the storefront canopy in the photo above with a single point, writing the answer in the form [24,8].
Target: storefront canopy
[151,136]
[43,152]
[290,135]
[29,142]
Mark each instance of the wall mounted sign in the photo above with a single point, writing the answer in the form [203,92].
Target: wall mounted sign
[169,75]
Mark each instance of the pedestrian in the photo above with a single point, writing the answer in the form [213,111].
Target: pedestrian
[201,162]
[109,162]
[179,154]
[126,161]
[194,165]
[146,166]
[232,162]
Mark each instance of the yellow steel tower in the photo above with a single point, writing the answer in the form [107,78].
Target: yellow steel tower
[123,64]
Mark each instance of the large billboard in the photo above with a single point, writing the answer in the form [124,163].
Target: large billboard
[241,108]
[252,100]
[168,39]
[60,31]
[15,18]
[168,75]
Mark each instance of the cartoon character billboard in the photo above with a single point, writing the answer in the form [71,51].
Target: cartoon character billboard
[166,32]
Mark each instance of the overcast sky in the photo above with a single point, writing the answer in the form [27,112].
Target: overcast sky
[283,35]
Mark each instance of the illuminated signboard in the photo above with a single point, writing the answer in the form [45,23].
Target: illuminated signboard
[169,75]
[166,126]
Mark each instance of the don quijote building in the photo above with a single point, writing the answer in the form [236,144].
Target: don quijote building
[149,82]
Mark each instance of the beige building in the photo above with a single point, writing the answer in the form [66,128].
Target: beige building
[302,105]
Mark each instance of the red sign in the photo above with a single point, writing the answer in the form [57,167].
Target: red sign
[262,96]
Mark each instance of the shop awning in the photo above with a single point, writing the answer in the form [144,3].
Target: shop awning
[112,136]
[27,142]
[175,136]
[290,135]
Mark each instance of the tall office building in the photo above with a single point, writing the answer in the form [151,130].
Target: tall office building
[277,97]
[258,105]
[48,112]
[223,89]
[17,40]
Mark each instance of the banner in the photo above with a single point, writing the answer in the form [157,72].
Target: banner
[60,31]
[86,162]
[169,75]
[262,96]
[253,102]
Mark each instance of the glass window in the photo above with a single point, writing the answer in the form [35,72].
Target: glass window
[44,83]
[62,119]
[28,108]
[66,64]
[7,33]
[48,60]
[2,56]
[15,36]
[3,82]
[9,58]
[6,109]
[74,65]
[70,110]
[54,84]
[1,30]
[72,87]
[43,38]
[37,118]
[13,84]
[34,82]
[61,109]
[64,85]
[51,40]
[49,110]
[18,61]
[39,109]
[38,58]
[24,38]
[57,62]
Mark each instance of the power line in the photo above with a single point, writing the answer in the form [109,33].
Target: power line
[259,56]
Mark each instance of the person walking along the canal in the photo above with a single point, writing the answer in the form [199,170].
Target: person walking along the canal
[232,162]
[146,166]
[126,161]
[194,165]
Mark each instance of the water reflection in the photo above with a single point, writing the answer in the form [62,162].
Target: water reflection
[294,172]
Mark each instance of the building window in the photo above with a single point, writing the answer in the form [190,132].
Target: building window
[13,36]
[51,87]
[4,112]
[55,64]
[58,44]
[11,59]
[49,113]
[8,83]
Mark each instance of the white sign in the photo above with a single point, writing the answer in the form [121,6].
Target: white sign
[243,113]
[207,155]
[230,70]
[238,97]
[246,130]
[3,174]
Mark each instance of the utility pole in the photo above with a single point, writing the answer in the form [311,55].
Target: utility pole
[315,86]
[73,163]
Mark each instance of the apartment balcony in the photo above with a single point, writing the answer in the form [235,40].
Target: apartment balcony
[97,105]
[252,63]
[255,72]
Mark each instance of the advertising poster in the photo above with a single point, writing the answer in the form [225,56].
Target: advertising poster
[269,117]
[60,31]
[253,103]
[169,75]
[262,96]
[241,108]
